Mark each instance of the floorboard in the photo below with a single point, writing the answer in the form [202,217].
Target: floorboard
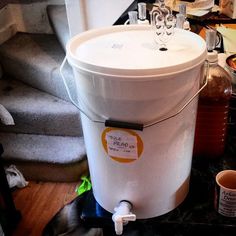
[38,203]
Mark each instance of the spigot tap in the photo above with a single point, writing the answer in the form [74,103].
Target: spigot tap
[122,216]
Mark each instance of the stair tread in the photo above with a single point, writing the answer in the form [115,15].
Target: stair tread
[30,99]
[35,59]
[35,111]
[44,47]
[42,148]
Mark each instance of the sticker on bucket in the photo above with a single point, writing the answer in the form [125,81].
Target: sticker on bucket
[122,145]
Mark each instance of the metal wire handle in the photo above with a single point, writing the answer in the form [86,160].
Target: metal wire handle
[186,104]
[129,125]
[70,97]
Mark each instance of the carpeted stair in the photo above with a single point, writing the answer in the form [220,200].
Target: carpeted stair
[46,142]
[35,59]
[37,112]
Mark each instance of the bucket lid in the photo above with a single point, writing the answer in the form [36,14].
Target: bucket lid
[132,51]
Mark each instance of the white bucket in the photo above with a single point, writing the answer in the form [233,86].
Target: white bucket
[121,75]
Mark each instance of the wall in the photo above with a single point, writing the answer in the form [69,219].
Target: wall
[28,16]
[7,25]
[3,3]
[88,14]
[31,16]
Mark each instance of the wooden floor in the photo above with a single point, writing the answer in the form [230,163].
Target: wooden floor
[38,203]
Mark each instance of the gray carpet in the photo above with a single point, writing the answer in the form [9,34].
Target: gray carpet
[45,158]
[37,112]
[35,59]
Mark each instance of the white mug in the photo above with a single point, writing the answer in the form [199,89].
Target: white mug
[225,193]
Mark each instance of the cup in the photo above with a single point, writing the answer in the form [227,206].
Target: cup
[225,193]
[180,18]
[133,18]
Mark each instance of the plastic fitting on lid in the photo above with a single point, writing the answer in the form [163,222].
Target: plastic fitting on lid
[182,9]
[180,21]
[142,10]
[133,17]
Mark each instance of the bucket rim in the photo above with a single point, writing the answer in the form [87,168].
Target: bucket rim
[134,77]
[79,39]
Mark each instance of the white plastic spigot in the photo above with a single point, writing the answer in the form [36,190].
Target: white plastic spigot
[122,216]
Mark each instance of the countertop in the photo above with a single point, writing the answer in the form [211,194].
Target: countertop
[195,216]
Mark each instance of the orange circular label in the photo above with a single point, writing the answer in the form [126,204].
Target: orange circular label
[122,145]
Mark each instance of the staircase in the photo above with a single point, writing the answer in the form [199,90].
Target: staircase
[46,142]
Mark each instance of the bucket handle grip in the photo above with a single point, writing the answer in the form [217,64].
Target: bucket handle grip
[124,125]
[129,125]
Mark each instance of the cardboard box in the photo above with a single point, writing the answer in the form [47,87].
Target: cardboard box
[228,7]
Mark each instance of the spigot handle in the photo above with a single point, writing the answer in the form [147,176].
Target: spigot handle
[130,217]
[121,220]
[119,227]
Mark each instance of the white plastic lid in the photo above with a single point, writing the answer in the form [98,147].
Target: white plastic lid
[132,51]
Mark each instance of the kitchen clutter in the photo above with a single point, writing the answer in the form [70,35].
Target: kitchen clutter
[228,7]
